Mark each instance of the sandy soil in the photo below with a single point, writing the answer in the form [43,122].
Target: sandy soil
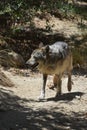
[21,110]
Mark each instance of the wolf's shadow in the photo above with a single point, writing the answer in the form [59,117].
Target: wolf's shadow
[66,96]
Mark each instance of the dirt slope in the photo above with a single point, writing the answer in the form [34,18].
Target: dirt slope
[21,110]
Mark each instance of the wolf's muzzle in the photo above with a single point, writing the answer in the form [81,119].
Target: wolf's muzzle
[30,65]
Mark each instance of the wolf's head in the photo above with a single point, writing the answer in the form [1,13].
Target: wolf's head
[48,55]
[38,56]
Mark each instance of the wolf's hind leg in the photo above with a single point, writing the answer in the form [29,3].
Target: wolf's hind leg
[69,85]
[42,95]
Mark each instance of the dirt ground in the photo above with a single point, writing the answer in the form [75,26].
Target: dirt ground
[21,110]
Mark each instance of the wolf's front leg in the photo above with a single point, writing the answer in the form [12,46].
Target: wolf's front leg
[59,82]
[42,95]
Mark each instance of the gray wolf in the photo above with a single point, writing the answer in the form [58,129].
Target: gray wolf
[53,59]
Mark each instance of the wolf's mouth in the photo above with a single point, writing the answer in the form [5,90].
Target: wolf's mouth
[34,66]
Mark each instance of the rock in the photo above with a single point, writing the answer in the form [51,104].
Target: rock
[5,81]
[9,58]
[16,59]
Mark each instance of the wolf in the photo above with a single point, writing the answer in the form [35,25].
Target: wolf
[54,60]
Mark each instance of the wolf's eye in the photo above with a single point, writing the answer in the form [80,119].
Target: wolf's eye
[38,54]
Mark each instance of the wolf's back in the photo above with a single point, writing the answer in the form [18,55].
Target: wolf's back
[59,49]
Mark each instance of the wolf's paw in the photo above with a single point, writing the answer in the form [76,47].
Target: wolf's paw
[41,97]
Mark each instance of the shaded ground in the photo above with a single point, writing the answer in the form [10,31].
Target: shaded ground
[21,110]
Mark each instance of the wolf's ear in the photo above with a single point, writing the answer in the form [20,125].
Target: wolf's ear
[47,49]
[41,45]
